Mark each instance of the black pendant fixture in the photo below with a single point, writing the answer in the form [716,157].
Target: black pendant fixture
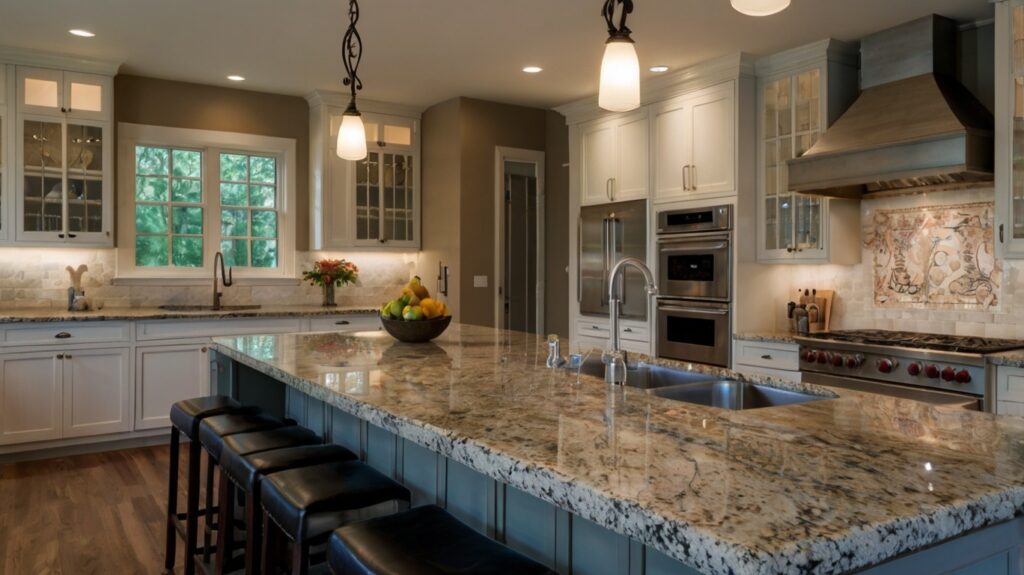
[352,133]
[620,68]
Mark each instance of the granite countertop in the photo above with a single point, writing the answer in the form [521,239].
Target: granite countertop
[25,315]
[767,336]
[1012,358]
[821,487]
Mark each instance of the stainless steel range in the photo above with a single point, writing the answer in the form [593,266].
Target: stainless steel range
[939,369]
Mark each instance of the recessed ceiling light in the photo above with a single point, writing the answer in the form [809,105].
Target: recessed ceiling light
[81,33]
[533,69]
[236,78]
[659,69]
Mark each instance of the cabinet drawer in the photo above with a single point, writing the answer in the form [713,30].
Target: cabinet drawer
[1009,408]
[64,333]
[634,333]
[345,323]
[769,355]
[1009,384]
[172,329]
[592,328]
[600,329]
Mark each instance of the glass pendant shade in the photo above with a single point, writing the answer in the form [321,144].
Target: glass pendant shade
[352,137]
[760,7]
[620,77]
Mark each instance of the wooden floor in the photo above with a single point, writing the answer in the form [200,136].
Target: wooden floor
[101,513]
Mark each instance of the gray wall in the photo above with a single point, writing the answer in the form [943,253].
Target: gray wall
[556,233]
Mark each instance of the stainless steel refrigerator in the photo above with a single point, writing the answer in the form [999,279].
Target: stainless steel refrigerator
[608,233]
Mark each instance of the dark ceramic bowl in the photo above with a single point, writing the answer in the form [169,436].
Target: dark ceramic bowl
[415,331]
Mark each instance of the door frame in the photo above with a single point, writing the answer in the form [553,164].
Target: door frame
[536,157]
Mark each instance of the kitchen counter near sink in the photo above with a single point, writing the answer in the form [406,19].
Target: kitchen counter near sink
[27,315]
[820,487]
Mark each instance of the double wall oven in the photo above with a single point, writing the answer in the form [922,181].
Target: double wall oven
[695,285]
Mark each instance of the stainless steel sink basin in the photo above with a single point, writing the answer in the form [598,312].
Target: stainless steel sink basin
[701,388]
[208,307]
[731,394]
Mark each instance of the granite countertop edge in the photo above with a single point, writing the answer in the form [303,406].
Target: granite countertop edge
[854,549]
[155,313]
[766,336]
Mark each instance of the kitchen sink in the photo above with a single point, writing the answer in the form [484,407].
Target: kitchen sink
[208,307]
[701,388]
[732,394]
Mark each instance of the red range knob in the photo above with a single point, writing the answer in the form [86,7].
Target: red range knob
[914,369]
[853,362]
[885,366]
[823,357]
[837,360]
[932,372]
[811,356]
[963,376]
[948,374]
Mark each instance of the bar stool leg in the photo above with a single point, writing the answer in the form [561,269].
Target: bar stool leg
[253,535]
[171,547]
[300,558]
[269,541]
[225,524]
[211,512]
[192,518]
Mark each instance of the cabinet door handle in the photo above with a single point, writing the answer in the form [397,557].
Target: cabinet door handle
[766,356]
[342,322]
[63,335]
[627,330]
[67,356]
[693,177]
[595,327]
[608,189]
[60,356]
[1001,240]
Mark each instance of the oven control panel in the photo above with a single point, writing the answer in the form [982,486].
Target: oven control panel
[926,370]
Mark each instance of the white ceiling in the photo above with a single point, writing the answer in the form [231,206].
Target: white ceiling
[421,52]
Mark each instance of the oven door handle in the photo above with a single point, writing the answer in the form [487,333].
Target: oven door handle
[699,310]
[691,247]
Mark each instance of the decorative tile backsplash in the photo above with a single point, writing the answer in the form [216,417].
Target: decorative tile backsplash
[35,277]
[857,306]
[938,257]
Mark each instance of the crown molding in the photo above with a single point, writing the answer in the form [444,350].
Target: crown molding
[827,50]
[24,57]
[340,100]
[702,75]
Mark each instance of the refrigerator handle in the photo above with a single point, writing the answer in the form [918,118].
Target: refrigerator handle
[614,225]
[579,259]
[605,244]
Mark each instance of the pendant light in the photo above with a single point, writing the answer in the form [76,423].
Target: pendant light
[620,68]
[760,7]
[352,133]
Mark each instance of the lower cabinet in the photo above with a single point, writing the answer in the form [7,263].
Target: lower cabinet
[97,392]
[56,394]
[165,374]
[30,391]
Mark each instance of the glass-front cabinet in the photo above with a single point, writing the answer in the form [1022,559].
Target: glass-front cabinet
[1010,127]
[63,183]
[800,93]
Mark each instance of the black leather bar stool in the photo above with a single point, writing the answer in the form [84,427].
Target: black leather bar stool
[244,472]
[186,415]
[212,432]
[306,504]
[422,541]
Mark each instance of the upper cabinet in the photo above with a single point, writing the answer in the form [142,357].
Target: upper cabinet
[800,93]
[57,185]
[695,144]
[373,203]
[1009,126]
[613,159]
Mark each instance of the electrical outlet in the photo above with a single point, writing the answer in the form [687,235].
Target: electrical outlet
[480,281]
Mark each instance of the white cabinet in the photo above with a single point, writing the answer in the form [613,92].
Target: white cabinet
[97,392]
[771,358]
[614,159]
[1009,390]
[800,93]
[1009,126]
[30,397]
[372,203]
[64,185]
[695,144]
[165,374]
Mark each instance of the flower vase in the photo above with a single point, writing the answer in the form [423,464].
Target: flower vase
[329,295]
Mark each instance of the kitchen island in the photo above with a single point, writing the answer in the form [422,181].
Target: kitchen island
[591,479]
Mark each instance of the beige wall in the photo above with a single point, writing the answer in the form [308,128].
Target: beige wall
[156,102]
[556,234]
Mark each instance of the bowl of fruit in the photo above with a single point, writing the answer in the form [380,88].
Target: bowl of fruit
[415,317]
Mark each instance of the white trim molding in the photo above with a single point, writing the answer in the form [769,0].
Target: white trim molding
[23,57]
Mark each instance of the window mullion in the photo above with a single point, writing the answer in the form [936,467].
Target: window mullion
[212,182]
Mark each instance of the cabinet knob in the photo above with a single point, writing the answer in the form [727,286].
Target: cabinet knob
[342,322]
[203,349]
[63,335]
[60,356]
[67,356]
[766,356]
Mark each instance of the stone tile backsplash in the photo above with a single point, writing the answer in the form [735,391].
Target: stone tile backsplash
[35,277]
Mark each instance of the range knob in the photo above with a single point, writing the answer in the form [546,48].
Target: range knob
[914,369]
[886,365]
[824,356]
[854,361]
[837,360]
[932,372]
[810,356]
[948,374]
[963,376]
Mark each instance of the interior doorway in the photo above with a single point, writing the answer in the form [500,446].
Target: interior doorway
[519,245]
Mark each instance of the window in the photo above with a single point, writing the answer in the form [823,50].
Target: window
[196,192]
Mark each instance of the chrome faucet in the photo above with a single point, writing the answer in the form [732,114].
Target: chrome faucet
[615,364]
[226,278]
